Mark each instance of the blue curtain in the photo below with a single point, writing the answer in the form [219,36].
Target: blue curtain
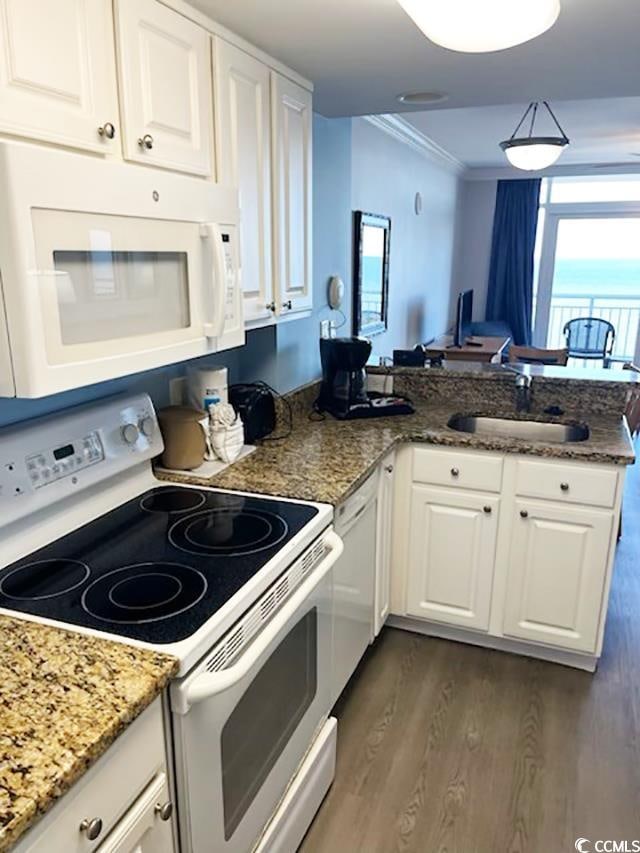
[510,292]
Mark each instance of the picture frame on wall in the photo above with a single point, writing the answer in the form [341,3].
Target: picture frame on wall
[371,246]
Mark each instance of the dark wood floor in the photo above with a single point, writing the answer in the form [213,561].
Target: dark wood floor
[446,748]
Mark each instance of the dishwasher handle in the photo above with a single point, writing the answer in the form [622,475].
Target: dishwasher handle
[209,684]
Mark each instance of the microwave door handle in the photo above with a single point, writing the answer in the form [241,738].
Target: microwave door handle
[215,326]
[208,685]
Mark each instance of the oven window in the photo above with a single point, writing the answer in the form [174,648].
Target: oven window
[104,295]
[266,716]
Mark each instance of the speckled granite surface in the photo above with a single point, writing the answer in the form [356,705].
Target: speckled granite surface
[326,460]
[64,698]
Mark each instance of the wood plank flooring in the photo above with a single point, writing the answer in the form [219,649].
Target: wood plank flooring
[447,748]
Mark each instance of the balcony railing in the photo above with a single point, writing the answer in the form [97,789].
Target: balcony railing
[622,311]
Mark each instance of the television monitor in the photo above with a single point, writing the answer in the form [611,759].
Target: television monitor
[464,310]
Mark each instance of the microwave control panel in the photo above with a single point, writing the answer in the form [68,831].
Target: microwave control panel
[229,275]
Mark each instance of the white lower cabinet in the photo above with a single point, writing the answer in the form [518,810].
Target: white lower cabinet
[121,805]
[384,553]
[452,555]
[528,561]
[557,568]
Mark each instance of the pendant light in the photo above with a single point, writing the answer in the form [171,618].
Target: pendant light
[480,26]
[533,153]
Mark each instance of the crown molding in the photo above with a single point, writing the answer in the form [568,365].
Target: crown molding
[402,131]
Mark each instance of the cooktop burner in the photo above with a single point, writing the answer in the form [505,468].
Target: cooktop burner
[145,592]
[44,579]
[157,567]
[226,531]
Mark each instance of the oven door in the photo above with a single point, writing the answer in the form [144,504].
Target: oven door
[242,732]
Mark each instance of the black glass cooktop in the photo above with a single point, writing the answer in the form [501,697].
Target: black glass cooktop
[156,568]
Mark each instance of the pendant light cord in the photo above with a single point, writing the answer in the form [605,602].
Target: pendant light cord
[557,123]
[533,109]
[522,121]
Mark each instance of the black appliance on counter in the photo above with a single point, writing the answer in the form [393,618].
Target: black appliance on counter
[343,392]
[254,402]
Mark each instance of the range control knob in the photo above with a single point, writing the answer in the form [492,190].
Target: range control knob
[147,426]
[130,433]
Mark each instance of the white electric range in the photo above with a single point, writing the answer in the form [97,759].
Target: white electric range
[237,586]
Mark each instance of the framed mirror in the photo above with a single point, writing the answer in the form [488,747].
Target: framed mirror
[371,241]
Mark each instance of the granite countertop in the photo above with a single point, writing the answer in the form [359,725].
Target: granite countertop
[64,699]
[326,460]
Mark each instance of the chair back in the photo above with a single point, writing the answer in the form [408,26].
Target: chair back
[535,355]
[589,337]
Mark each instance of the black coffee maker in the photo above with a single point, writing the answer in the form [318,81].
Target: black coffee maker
[343,392]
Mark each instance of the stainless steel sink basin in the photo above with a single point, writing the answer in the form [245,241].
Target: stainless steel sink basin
[513,428]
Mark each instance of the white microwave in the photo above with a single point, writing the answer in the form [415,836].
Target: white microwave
[108,269]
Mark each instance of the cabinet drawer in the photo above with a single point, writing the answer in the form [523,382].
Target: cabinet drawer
[578,484]
[106,791]
[479,471]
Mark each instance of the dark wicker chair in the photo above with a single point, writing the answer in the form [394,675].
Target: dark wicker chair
[590,338]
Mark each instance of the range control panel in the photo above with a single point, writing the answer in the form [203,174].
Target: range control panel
[50,465]
[44,461]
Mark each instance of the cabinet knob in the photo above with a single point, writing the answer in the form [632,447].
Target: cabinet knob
[164,810]
[146,141]
[270,306]
[288,304]
[389,469]
[455,472]
[524,513]
[107,130]
[91,828]
[487,509]
[564,487]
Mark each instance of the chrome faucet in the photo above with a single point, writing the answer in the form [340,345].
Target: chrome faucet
[523,392]
[523,388]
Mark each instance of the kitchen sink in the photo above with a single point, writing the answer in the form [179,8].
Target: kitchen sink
[515,428]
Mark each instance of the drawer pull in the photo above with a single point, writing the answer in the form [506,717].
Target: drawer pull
[146,141]
[91,828]
[389,469]
[107,130]
[564,487]
[487,509]
[164,810]
[455,472]
[524,513]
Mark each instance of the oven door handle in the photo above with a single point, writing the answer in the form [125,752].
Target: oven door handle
[209,684]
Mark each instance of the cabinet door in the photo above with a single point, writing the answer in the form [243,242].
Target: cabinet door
[291,124]
[243,147]
[143,829]
[383,550]
[57,72]
[558,563]
[452,545]
[165,87]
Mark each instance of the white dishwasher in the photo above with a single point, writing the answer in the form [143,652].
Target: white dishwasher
[354,582]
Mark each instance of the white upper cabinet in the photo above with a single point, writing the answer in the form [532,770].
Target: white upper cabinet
[558,564]
[291,107]
[57,73]
[165,87]
[243,146]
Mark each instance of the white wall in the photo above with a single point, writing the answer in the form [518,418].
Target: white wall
[473,241]
[385,176]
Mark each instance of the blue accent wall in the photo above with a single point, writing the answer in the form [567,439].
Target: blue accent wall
[286,355]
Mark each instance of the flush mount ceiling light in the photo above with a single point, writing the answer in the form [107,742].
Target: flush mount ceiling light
[422,98]
[480,26]
[532,153]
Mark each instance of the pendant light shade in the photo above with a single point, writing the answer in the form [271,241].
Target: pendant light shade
[480,26]
[531,152]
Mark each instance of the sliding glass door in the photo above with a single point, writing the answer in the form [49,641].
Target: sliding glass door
[590,267]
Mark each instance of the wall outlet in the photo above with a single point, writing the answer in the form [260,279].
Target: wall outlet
[325,328]
[178,391]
